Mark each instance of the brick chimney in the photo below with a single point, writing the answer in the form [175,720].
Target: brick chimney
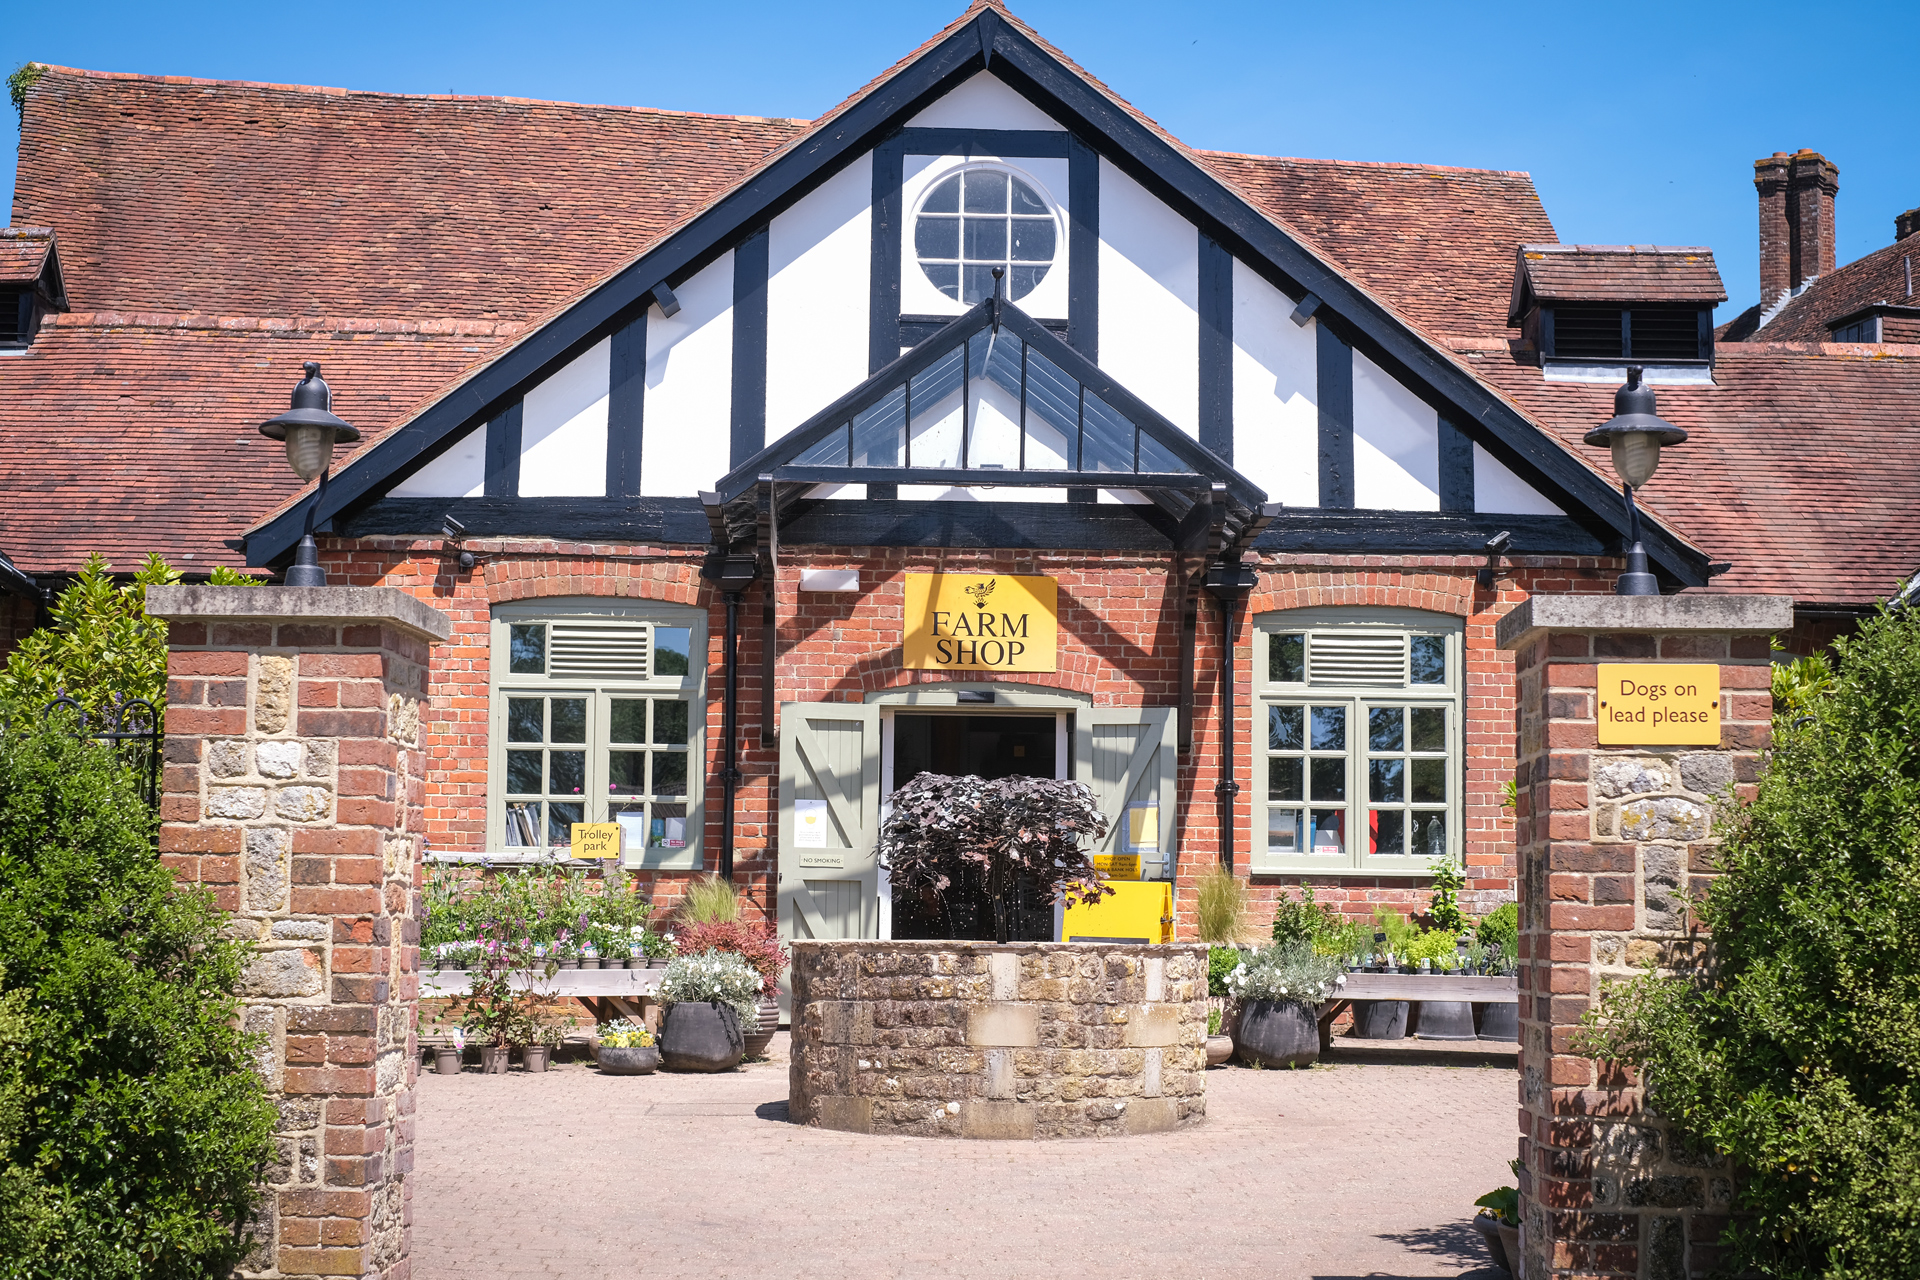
[1796,220]
[1905,224]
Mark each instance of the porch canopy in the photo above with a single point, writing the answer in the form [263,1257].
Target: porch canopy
[995,399]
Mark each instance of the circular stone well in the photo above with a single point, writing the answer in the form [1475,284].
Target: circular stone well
[982,1040]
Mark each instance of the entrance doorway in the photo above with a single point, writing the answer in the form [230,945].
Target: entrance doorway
[987,746]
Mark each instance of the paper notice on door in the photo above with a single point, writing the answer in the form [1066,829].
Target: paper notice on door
[809,824]
[1143,828]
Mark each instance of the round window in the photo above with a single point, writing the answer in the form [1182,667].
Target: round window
[980,219]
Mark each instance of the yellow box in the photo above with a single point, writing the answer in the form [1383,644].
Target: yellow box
[1658,703]
[598,839]
[1138,911]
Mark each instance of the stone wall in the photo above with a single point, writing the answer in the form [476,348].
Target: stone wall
[978,1040]
[1612,842]
[293,790]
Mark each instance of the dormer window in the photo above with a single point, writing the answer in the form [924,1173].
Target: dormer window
[1588,310]
[30,284]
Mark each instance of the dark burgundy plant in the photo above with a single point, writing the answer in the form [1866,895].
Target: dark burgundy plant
[1040,828]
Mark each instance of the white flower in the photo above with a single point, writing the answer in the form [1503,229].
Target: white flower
[1340,981]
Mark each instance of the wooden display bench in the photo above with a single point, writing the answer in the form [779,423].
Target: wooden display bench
[607,993]
[1411,987]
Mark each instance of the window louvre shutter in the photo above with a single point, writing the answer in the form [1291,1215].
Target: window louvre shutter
[1357,660]
[597,650]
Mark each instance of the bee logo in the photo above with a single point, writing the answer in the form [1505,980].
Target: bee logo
[980,591]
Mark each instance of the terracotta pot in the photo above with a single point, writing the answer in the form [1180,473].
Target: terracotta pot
[446,1062]
[628,1062]
[494,1059]
[1219,1049]
[1489,1229]
[1278,1033]
[769,1023]
[1510,1241]
[535,1057]
[701,1036]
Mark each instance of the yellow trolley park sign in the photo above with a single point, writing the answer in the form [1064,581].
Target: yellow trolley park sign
[1657,704]
[981,622]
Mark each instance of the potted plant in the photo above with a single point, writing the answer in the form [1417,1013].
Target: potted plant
[495,1003]
[1498,1223]
[1498,934]
[626,1049]
[537,1037]
[759,945]
[657,947]
[712,999]
[448,1058]
[1279,989]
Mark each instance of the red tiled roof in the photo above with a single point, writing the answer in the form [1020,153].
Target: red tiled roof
[277,200]
[1614,273]
[1435,242]
[1799,466]
[140,432]
[1883,276]
[23,253]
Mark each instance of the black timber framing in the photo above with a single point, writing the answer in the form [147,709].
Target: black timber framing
[1297,529]
[749,347]
[1083,248]
[1216,348]
[1333,364]
[503,453]
[1064,94]
[626,406]
[663,520]
[1456,467]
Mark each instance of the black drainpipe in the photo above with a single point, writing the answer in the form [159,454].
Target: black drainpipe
[1228,581]
[737,572]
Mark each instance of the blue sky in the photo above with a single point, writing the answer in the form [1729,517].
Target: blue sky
[1639,122]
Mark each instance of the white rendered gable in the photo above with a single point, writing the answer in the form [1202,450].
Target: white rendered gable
[460,472]
[983,102]
[1497,490]
[563,430]
[819,265]
[1276,414]
[687,426]
[1149,291]
[1396,443]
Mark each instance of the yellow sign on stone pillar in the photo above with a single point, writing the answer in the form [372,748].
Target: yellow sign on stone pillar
[981,622]
[1658,704]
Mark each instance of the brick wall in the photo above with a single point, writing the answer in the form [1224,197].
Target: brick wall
[1119,645]
[1612,841]
[294,791]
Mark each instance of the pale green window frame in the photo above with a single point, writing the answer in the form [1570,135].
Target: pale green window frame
[593,728]
[1393,776]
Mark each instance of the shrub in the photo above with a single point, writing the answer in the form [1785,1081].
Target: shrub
[1290,970]
[1793,1048]
[721,976]
[1305,919]
[1221,961]
[758,944]
[1501,928]
[145,1128]
[1035,830]
[1220,905]
[1443,907]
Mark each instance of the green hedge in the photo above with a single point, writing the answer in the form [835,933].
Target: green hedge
[1798,1051]
[134,1129]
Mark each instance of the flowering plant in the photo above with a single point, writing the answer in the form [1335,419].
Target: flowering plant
[724,977]
[758,944]
[1289,970]
[625,1034]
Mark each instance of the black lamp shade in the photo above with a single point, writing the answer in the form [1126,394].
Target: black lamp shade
[312,407]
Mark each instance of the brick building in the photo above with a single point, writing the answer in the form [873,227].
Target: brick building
[1269,444]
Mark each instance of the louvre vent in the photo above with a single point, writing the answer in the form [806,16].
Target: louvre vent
[1587,333]
[1357,660]
[1666,333]
[598,650]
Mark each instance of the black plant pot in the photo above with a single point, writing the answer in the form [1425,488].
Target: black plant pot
[1380,1019]
[701,1036]
[1446,1020]
[1500,1022]
[1277,1033]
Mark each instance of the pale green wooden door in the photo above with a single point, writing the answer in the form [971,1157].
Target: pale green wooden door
[829,822]
[1127,755]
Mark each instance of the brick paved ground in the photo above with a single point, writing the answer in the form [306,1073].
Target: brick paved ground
[1366,1168]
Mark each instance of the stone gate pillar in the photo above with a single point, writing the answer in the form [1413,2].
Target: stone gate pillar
[1609,839]
[294,791]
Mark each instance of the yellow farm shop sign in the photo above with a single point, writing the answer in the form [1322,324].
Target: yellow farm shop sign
[1658,703]
[981,622]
